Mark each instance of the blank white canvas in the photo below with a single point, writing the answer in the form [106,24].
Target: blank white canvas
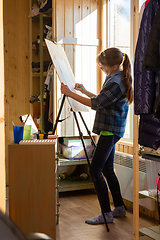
[64,72]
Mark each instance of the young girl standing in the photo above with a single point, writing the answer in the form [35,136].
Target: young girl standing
[111,106]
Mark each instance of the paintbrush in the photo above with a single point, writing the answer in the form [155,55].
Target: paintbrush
[23,123]
[12,122]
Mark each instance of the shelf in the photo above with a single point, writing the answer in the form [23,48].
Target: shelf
[68,185]
[38,74]
[145,194]
[150,155]
[64,161]
[152,232]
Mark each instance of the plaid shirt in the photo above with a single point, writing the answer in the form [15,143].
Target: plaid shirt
[111,106]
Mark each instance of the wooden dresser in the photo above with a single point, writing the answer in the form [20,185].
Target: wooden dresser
[32,188]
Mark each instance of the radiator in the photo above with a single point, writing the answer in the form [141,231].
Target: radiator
[123,164]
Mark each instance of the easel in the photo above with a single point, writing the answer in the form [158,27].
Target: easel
[81,136]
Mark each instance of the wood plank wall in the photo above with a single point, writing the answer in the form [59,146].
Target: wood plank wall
[16,45]
[74,19]
[124,147]
[2,123]
[82,20]
[78,19]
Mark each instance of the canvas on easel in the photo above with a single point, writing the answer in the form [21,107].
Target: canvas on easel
[64,72]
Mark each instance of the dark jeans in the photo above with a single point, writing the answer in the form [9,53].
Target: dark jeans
[102,162]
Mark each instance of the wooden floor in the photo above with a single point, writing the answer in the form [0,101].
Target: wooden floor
[80,205]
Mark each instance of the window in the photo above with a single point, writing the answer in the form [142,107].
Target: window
[119,35]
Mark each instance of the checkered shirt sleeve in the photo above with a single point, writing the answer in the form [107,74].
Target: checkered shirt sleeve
[108,95]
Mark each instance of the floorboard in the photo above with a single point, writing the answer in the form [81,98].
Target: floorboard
[80,205]
[76,206]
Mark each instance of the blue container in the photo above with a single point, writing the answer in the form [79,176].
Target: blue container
[18,133]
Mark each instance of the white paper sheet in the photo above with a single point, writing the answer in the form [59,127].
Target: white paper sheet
[64,72]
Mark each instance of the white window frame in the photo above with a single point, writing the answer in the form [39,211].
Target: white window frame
[132,47]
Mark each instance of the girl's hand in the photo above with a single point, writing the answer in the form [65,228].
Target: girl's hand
[80,88]
[65,90]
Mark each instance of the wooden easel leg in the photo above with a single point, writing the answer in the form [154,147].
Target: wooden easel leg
[89,133]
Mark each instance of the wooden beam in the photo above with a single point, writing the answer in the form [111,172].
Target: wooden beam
[134,29]
[30,55]
[2,126]
[41,73]
[54,85]
[100,37]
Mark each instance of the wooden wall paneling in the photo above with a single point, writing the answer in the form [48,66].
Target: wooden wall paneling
[2,119]
[69,33]
[86,58]
[16,44]
[85,63]
[120,148]
[54,20]
[60,15]
[126,149]
[59,31]
[100,37]
[77,50]
[54,97]
[30,57]
[93,55]
[78,21]
[130,150]
[93,75]
[23,87]
[116,148]
[60,18]
[88,30]
[85,69]
[8,127]
[86,10]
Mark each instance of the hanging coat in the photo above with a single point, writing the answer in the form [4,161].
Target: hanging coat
[145,83]
[152,57]
[152,52]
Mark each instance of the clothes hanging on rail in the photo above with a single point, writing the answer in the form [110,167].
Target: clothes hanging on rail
[152,52]
[152,58]
[145,83]
[141,11]
[144,87]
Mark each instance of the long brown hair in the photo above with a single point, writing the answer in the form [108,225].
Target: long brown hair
[113,56]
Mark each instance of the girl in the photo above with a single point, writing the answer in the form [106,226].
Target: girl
[111,106]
